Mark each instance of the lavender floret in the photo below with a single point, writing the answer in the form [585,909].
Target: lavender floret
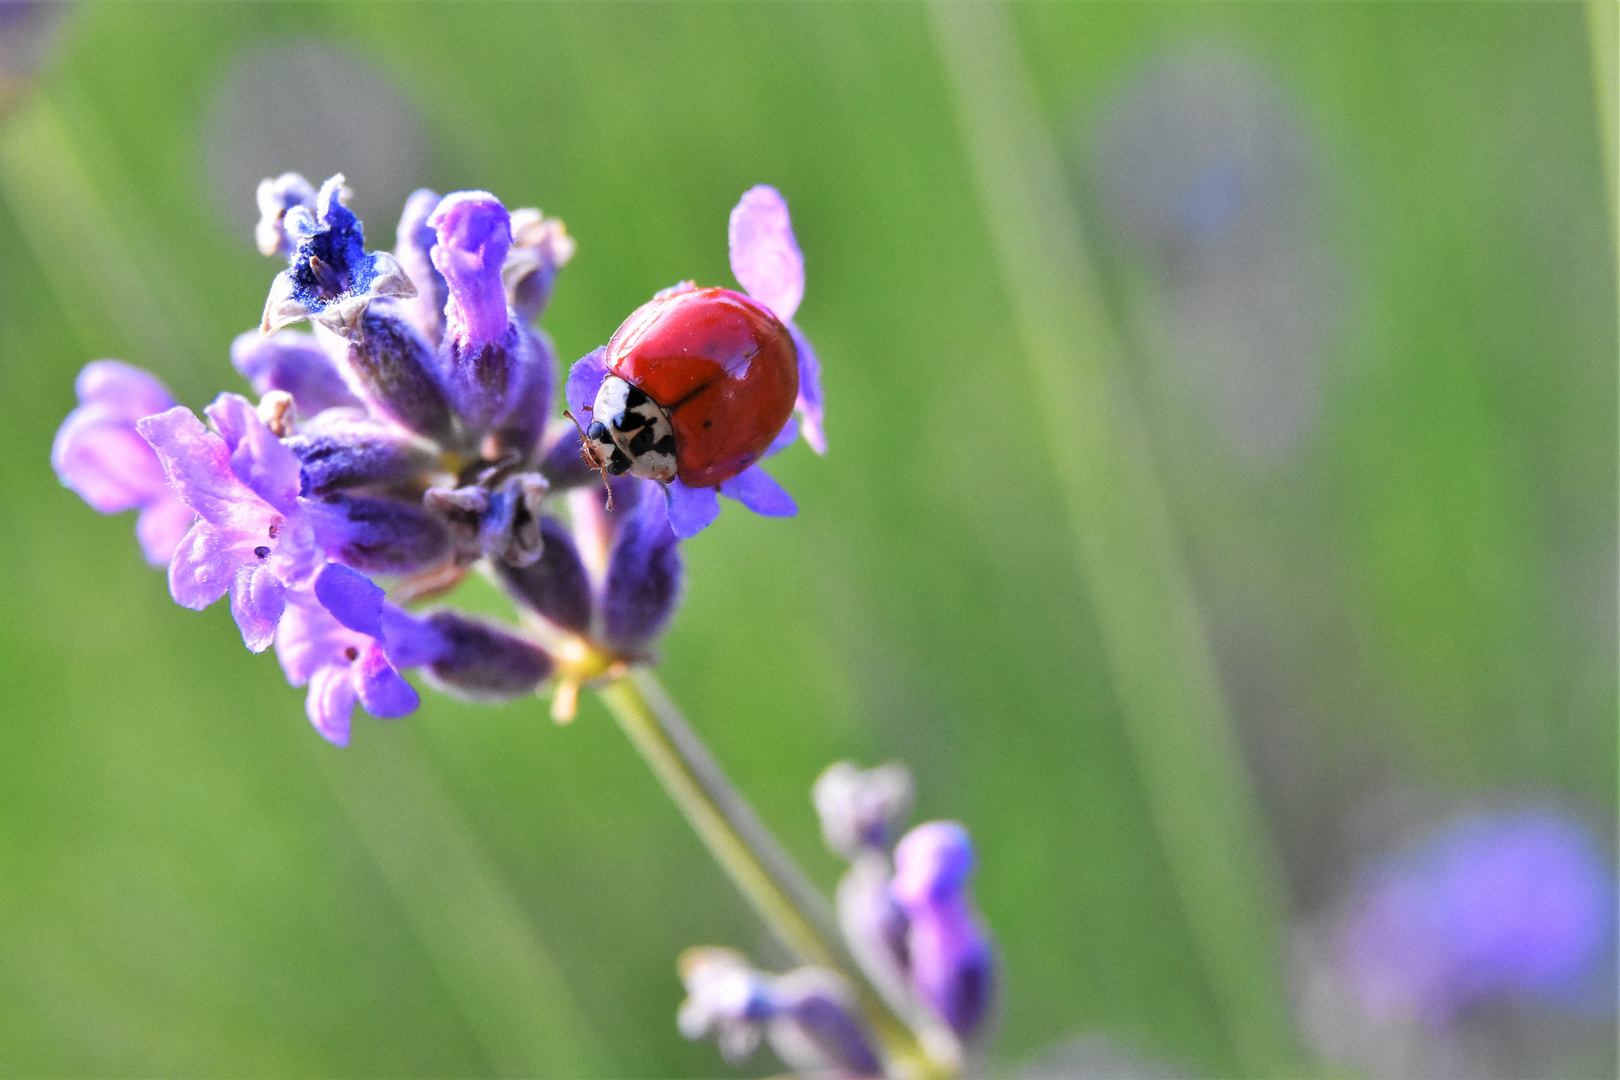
[951,964]
[296,364]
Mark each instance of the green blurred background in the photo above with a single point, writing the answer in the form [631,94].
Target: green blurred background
[1370,334]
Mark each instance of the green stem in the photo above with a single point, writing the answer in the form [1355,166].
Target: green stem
[776,889]
[1170,699]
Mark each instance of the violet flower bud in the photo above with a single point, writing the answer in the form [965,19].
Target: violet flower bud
[331,278]
[275,198]
[556,585]
[875,927]
[467,658]
[377,535]
[862,809]
[524,424]
[809,1015]
[412,249]
[1500,905]
[338,452]
[540,247]
[392,368]
[644,574]
[100,455]
[951,965]
[295,363]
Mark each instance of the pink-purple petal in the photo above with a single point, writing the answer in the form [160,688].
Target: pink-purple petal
[754,488]
[691,510]
[330,703]
[257,600]
[258,458]
[353,599]
[203,567]
[474,235]
[382,689]
[765,257]
[101,457]
[784,438]
[127,392]
[199,466]
[162,525]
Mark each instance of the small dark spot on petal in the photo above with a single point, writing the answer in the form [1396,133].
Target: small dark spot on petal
[351,653]
[262,552]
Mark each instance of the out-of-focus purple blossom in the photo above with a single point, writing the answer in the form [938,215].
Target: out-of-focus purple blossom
[766,261]
[555,586]
[276,197]
[540,247]
[1516,905]
[294,363]
[808,1015]
[100,455]
[475,660]
[250,537]
[862,809]
[331,277]
[952,969]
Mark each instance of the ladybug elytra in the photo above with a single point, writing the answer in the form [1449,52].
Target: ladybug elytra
[699,382]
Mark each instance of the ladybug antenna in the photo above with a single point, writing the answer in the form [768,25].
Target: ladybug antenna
[591,459]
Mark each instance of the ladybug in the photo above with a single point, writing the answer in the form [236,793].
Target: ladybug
[699,382]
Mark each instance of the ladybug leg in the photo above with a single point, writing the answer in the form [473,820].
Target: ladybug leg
[600,452]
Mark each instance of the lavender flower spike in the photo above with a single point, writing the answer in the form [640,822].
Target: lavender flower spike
[331,278]
[766,261]
[951,964]
[250,537]
[99,454]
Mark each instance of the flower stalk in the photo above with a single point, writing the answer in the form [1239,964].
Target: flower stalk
[773,886]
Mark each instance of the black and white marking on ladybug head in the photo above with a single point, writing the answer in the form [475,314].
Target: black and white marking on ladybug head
[629,427]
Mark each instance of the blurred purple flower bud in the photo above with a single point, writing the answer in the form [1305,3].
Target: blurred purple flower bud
[295,363]
[644,579]
[99,454]
[341,451]
[392,367]
[413,248]
[875,926]
[540,247]
[808,1014]
[556,585]
[340,664]
[951,965]
[862,808]
[331,278]
[250,537]
[276,197]
[465,657]
[765,260]
[1496,905]
[378,535]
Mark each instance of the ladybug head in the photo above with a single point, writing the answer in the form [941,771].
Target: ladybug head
[630,432]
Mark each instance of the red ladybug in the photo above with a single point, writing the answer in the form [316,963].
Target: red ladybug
[699,383]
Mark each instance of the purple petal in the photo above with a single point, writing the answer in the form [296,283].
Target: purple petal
[931,862]
[127,391]
[199,467]
[330,703]
[754,488]
[764,256]
[691,510]
[162,525]
[475,233]
[556,585]
[203,567]
[584,380]
[353,599]
[295,363]
[808,404]
[101,457]
[258,458]
[411,641]
[952,969]
[644,580]
[784,438]
[275,198]
[383,690]
[257,600]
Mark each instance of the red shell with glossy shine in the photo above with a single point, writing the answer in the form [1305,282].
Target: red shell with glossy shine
[724,369]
